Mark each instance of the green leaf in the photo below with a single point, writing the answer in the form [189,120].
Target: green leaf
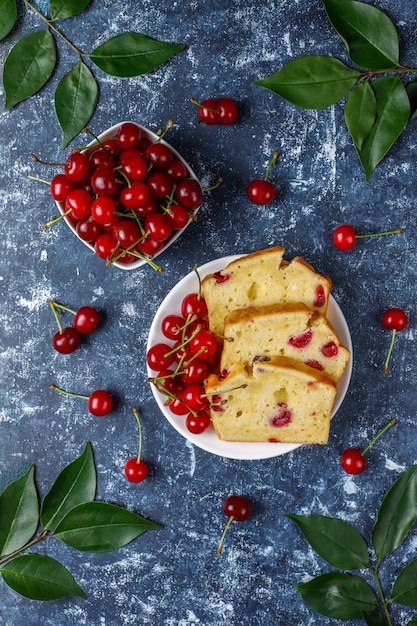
[336,541]
[28,66]
[8,16]
[40,578]
[101,527]
[404,590]
[392,115]
[370,36]
[375,618]
[75,101]
[19,513]
[338,595]
[61,9]
[411,89]
[360,113]
[413,622]
[75,485]
[311,82]
[396,515]
[132,54]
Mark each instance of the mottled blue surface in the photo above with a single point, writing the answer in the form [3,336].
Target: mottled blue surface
[174,577]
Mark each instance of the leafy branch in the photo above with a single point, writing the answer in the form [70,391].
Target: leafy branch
[31,61]
[69,513]
[346,596]
[379,105]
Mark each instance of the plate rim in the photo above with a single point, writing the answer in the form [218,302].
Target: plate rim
[249,451]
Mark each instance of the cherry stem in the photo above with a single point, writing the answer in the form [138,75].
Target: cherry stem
[226,528]
[40,180]
[194,101]
[216,393]
[271,164]
[216,184]
[136,414]
[397,231]
[56,314]
[63,307]
[391,345]
[68,393]
[55,219]
[378,435]
[38,160]
[162,133]
[199,282]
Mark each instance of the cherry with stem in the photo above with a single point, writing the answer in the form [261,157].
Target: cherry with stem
[236,508]
[394,319]
[136,469]
[353,460]
[345,236]
[100,402]
[262,191]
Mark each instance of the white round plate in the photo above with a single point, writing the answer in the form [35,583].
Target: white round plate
[208,440]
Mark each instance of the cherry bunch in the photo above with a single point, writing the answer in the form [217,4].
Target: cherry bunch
[68,339]
[126,196]
[223,111]
[183,364]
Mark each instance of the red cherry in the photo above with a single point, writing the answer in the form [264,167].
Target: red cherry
[77,167]
[193,396]
[136,471]
[79,202]
[128,136]
[353,461]
[204,344]
[133,165]
[261,191]
[227,111]
[160,356]
[103,182]
[160,184]
[177,406]
[86,320]
[344,237]
[193,305]
[104,245]
[103,209]
[236,508]
[189,194]
[66,340]
[60,187]
[207,111]
[194,372]
[177,170]
[172,326]
[394,319]
[159,154]
[100,403]
[158,226]
[177,216]
[88,230]
[102,158]
[197,423]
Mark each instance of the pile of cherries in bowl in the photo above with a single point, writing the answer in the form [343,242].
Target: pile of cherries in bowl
[128,195]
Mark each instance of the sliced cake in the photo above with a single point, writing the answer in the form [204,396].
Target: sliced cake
[291,330]
[262,278]
[280,400]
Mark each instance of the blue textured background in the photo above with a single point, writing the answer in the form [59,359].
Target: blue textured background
[174,577]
